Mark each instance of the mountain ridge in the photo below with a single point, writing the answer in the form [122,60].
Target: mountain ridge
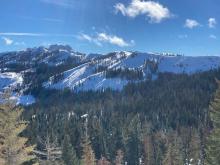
[60,67]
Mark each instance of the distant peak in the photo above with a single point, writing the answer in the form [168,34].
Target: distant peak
[58,47]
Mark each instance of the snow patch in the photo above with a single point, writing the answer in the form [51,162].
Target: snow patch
[10,79]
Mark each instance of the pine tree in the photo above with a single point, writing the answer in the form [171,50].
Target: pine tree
[88,157]
[132,149]
[133,141]
[194,147]
[68,153]
[213,141]
[148,150]
[13,148]
[173,155]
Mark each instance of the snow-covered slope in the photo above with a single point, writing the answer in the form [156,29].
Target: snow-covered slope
[14,81]
[54,55]
[10,79]
[93,71]
[188,64]
[112,70]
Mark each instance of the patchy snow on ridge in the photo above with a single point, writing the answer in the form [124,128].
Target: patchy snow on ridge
[18,99]
[99,82]
[13,81]
[89,76]
[10,79]
[84,77]
[183,64]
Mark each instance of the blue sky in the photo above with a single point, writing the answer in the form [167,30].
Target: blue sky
[187,27]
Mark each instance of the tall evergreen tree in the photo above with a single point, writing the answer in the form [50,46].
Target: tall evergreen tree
[148,150]
[68,153]
[213,141]
[132,149]
[173,154]
[194,148]
[13,147]
[88,153]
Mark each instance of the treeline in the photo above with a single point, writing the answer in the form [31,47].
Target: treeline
[127,74]
[122,73]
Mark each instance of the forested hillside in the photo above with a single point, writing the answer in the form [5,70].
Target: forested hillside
[120,108]
[160,122]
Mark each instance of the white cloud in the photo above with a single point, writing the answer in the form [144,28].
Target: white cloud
[112,39]
[22,34]
[86,37]
[212,22]
[212,36]
[7,41]
[35,34]
[52,20]
[100,38]
[190,23]
[153,10]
